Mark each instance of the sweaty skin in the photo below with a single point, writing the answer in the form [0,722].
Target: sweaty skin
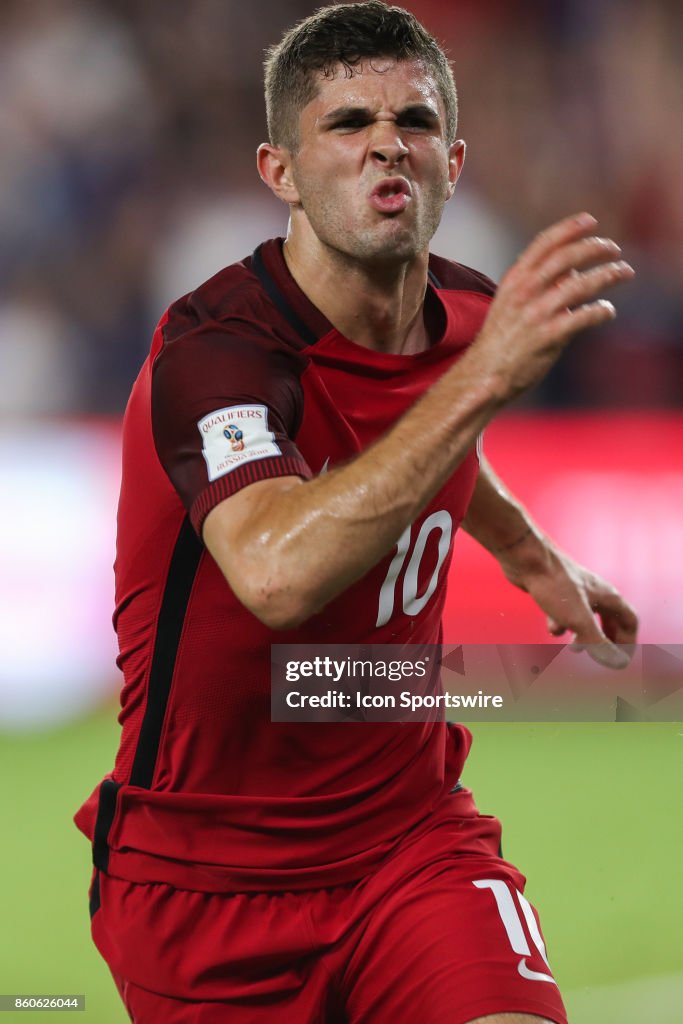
[364,265]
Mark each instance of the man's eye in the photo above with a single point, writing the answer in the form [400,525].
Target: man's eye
[351,122]
[415,122]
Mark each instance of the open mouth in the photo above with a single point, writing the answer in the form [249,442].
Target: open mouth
[391,195]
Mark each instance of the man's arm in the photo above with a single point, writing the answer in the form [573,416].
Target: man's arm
[569,594]
[287,547]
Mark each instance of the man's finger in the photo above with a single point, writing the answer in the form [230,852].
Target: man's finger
[605,653]
[608,654]
[578,287]
[622,617]
[567,230]
[590,638]
[615,630]
[577,256]
[571,321]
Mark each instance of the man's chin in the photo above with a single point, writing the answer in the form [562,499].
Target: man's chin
[399,246]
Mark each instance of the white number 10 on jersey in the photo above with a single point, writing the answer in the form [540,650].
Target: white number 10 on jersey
[413,603]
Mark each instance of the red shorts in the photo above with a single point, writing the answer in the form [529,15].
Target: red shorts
[439,933]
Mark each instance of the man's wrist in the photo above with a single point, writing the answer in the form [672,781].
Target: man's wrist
[502,548]
[529,552]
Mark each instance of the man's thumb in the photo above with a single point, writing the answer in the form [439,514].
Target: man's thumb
[600,649]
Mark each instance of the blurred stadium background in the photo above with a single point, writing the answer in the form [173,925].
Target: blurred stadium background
[128,130]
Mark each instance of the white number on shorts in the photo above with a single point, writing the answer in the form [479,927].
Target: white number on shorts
[412,602]
[509,915]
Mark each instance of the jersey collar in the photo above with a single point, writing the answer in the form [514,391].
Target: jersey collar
[269,265]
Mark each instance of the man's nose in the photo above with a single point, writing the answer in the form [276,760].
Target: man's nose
[387,146]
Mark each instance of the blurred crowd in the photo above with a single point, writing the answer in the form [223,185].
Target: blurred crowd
[128,130]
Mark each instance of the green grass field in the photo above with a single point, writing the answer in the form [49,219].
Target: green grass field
[592,814]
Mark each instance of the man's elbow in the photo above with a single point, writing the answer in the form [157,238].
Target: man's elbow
[278,590]
[278,605]
[273,592]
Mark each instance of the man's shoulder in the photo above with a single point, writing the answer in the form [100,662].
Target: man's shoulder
[452,276]
[232,295]
[227,327]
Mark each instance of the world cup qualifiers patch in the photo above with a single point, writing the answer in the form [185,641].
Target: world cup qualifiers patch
[233,436]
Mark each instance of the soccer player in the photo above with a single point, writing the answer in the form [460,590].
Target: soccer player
[299,449]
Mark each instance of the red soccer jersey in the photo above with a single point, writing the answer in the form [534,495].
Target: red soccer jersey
[246,379]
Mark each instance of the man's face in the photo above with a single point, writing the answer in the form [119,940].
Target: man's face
[373,169]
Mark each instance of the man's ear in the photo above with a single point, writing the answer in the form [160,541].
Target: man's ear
[274,165]
[456,158]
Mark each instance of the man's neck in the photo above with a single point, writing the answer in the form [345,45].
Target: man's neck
[380,308]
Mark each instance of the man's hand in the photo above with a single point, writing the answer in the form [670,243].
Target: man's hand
[547,296]
[571,596]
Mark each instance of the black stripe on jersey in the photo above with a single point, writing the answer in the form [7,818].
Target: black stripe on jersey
[181,574]
[434,279]
[106,809]
[278,299]
[94,905]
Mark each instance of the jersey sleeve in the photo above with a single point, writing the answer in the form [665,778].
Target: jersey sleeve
[226,406]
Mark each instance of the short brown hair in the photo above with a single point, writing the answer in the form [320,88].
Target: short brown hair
[346,34]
